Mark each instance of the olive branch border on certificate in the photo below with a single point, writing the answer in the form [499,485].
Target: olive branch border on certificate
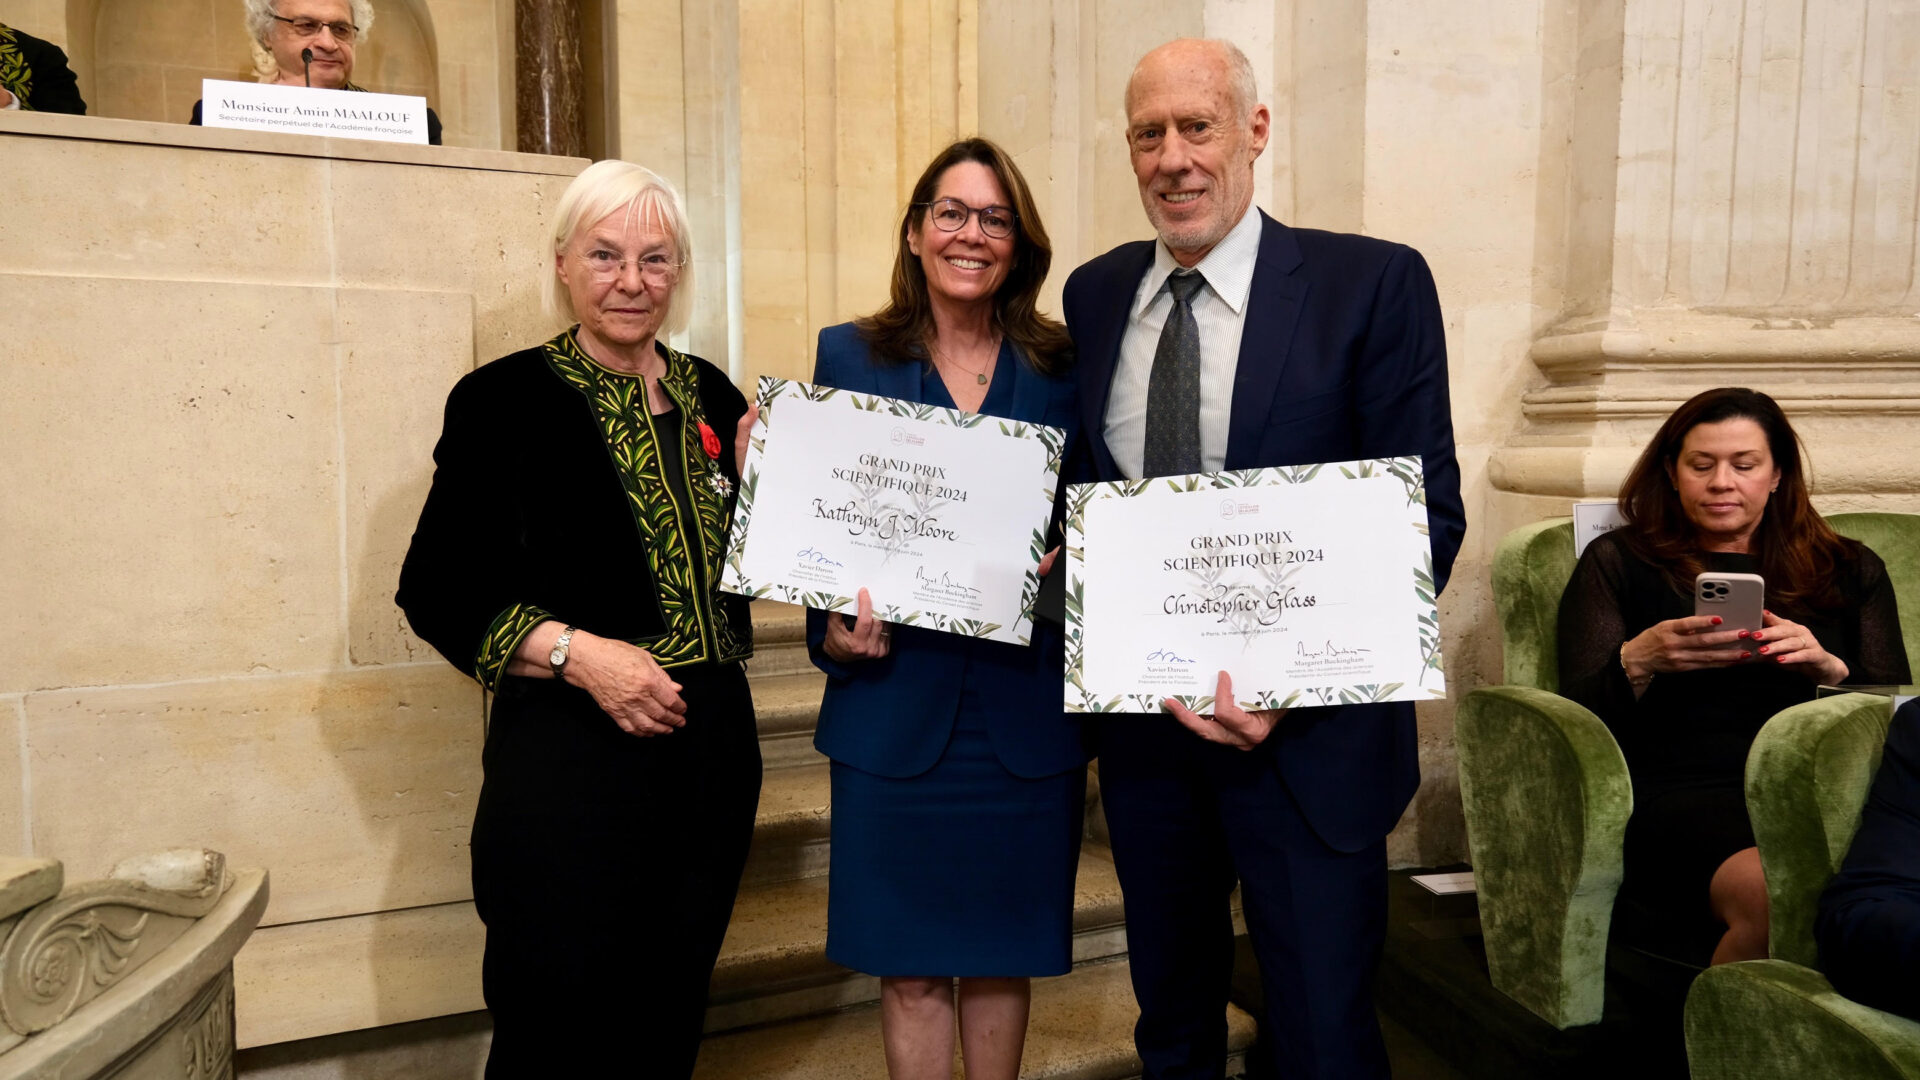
[1407,470]
[771,391]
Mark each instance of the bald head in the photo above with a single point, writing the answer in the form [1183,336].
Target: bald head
[1190,54]
[1194,129]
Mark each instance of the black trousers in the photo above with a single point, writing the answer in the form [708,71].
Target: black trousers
[1189,819]
[605,868]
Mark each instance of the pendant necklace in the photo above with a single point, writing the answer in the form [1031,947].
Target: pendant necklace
[979,377]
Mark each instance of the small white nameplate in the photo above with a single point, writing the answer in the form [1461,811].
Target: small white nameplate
[1592,517]
[1446,884]
[307,110]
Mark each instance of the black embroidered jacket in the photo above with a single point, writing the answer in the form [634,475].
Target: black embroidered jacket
[550,500]
[36,72]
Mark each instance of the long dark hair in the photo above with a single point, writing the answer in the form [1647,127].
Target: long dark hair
[900,331]
[1800,555]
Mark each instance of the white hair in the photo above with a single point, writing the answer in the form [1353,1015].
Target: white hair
[1246,90]
[607,187]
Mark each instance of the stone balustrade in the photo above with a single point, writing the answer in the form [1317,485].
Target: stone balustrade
[129,976]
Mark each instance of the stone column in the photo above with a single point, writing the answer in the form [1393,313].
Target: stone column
[549,90]
[1764,178]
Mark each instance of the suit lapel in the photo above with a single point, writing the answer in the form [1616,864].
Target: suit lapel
[1273,311]
[1100,352]
[1030,389]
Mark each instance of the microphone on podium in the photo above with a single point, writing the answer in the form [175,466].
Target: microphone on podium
[306,64]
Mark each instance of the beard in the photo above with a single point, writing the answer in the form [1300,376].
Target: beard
[1226,201]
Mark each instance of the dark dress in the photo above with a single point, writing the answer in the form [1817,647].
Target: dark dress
[604,865]
[1869,925]
[433,118]
[1686,738]
[36,72]
[966,869]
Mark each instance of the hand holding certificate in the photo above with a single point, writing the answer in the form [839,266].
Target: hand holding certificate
[941,515]
[1309,585]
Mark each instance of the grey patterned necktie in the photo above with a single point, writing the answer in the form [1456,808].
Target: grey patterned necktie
[1173,389]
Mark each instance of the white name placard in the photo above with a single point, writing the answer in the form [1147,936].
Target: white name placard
[307,110]
[1308,585]
[939,514]
[1594,517]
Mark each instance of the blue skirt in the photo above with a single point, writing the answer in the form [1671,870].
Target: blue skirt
[965,870]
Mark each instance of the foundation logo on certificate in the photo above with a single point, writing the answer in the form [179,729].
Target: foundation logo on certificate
[939,514]
[1309,585]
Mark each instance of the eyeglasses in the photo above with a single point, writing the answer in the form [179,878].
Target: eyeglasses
[343,32]
[950,215]
[656,268]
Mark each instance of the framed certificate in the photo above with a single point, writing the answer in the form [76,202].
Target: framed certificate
[1308,585]
[940,515]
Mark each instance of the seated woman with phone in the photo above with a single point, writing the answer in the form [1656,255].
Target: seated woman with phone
[1723,599]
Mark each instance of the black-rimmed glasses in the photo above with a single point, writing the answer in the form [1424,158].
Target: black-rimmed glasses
[950,215]
[343,32]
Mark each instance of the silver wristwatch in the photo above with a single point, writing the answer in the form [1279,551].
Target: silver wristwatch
[557,659]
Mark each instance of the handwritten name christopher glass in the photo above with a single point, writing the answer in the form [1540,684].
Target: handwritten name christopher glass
[901,474]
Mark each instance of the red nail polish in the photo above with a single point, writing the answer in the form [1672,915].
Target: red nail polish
[1763,650]
[1716,620]
[1746,655]
[1743,633]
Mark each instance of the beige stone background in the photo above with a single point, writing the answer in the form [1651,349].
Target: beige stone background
[227,353]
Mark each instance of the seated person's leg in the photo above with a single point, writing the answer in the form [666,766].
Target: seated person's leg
[1739,898]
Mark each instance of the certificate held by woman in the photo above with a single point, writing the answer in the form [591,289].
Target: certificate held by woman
[940,514]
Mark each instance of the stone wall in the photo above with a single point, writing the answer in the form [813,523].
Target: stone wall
[221,392]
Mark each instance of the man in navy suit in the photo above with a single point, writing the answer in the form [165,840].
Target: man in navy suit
[1290,346]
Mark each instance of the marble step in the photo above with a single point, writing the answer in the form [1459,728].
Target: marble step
[790,829]
[1081,1028]
[786,708]
[779,640]
[773,965]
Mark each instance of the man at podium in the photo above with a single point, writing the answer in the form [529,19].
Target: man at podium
[311,43]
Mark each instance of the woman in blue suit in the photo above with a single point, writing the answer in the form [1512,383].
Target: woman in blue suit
[959,782]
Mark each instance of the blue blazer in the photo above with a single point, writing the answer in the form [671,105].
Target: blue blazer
[1343,356]
[893,716]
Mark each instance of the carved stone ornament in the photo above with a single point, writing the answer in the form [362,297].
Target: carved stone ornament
[125,978]
[69,950]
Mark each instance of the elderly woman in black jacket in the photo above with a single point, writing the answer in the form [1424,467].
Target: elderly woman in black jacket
[567,558]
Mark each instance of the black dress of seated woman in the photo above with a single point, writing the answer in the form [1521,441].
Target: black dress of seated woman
[1720,488]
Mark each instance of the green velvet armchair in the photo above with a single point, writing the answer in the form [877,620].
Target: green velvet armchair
[1546,791]
[1778,1019]
[1546,796]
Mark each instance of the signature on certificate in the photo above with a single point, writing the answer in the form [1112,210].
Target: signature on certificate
[817,558]
[1328,651]
[1166,656]
[944,583]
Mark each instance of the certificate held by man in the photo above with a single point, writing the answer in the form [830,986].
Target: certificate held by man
[940,515]
[1307,585]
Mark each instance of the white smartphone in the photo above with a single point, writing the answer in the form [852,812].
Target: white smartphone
[1737,598]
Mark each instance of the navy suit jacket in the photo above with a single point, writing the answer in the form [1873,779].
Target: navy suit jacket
[893,716]
[1343,356]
